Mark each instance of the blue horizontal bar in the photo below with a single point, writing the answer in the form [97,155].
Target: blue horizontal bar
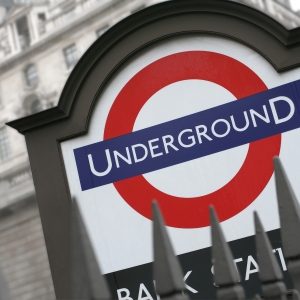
[203,133]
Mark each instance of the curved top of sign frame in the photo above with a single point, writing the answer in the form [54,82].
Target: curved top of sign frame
[281,47]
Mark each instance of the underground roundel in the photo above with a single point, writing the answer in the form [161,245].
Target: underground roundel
[126,156]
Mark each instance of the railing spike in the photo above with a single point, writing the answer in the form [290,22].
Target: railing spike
[166,268]
[296,295]
[269,271]
[225,272]
[289,212]
[87,281]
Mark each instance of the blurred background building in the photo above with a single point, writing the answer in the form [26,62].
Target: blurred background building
[40,43]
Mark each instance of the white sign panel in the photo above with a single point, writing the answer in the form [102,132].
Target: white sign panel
[191,121]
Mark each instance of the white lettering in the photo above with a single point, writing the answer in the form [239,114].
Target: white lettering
[274,112]
[157,296]
[281,257]
[151,147]
[126,296]
[215,123]
[240,129]
[213,272]
[203,133]
[136,159]
[142,290]
[126,159]
[169,143]
[249,271]
[109,164]
[264,118]
[187,286]
[192,138]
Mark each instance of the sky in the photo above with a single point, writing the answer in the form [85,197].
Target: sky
[295,4]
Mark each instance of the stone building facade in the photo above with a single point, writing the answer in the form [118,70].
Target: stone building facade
[40,42]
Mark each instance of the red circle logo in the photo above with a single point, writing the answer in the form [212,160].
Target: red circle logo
[256,170]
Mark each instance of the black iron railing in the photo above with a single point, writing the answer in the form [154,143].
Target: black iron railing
[89,284]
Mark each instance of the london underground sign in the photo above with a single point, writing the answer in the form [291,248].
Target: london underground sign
[180,104]
[240,113]
[191,137]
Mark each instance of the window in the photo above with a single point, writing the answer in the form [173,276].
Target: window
[41,23]
[138,8]
[286,3]
[100,31]
[4,146]
[50,105]
[31,75]
[69,10]
[23,32]
[36,106]
[70,54]
[32,104]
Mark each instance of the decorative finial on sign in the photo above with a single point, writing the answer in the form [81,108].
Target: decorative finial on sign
[87,281]
[289,213]
[225,272]
[166,268]
[269,271]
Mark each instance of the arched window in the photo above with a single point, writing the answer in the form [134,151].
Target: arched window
[31,75]
[32,104]
[71,56]
[35,107]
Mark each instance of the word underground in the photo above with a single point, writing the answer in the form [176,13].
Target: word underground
[190,137]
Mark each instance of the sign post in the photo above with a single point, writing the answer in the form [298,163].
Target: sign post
[185,102]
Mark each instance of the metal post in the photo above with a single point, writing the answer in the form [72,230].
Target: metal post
[87,281]
[289,212]
[269,271]
[166,268]
[225,272]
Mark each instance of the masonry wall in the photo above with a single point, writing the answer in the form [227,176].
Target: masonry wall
[23,258]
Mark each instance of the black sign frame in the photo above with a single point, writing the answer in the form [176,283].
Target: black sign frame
[70,118]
